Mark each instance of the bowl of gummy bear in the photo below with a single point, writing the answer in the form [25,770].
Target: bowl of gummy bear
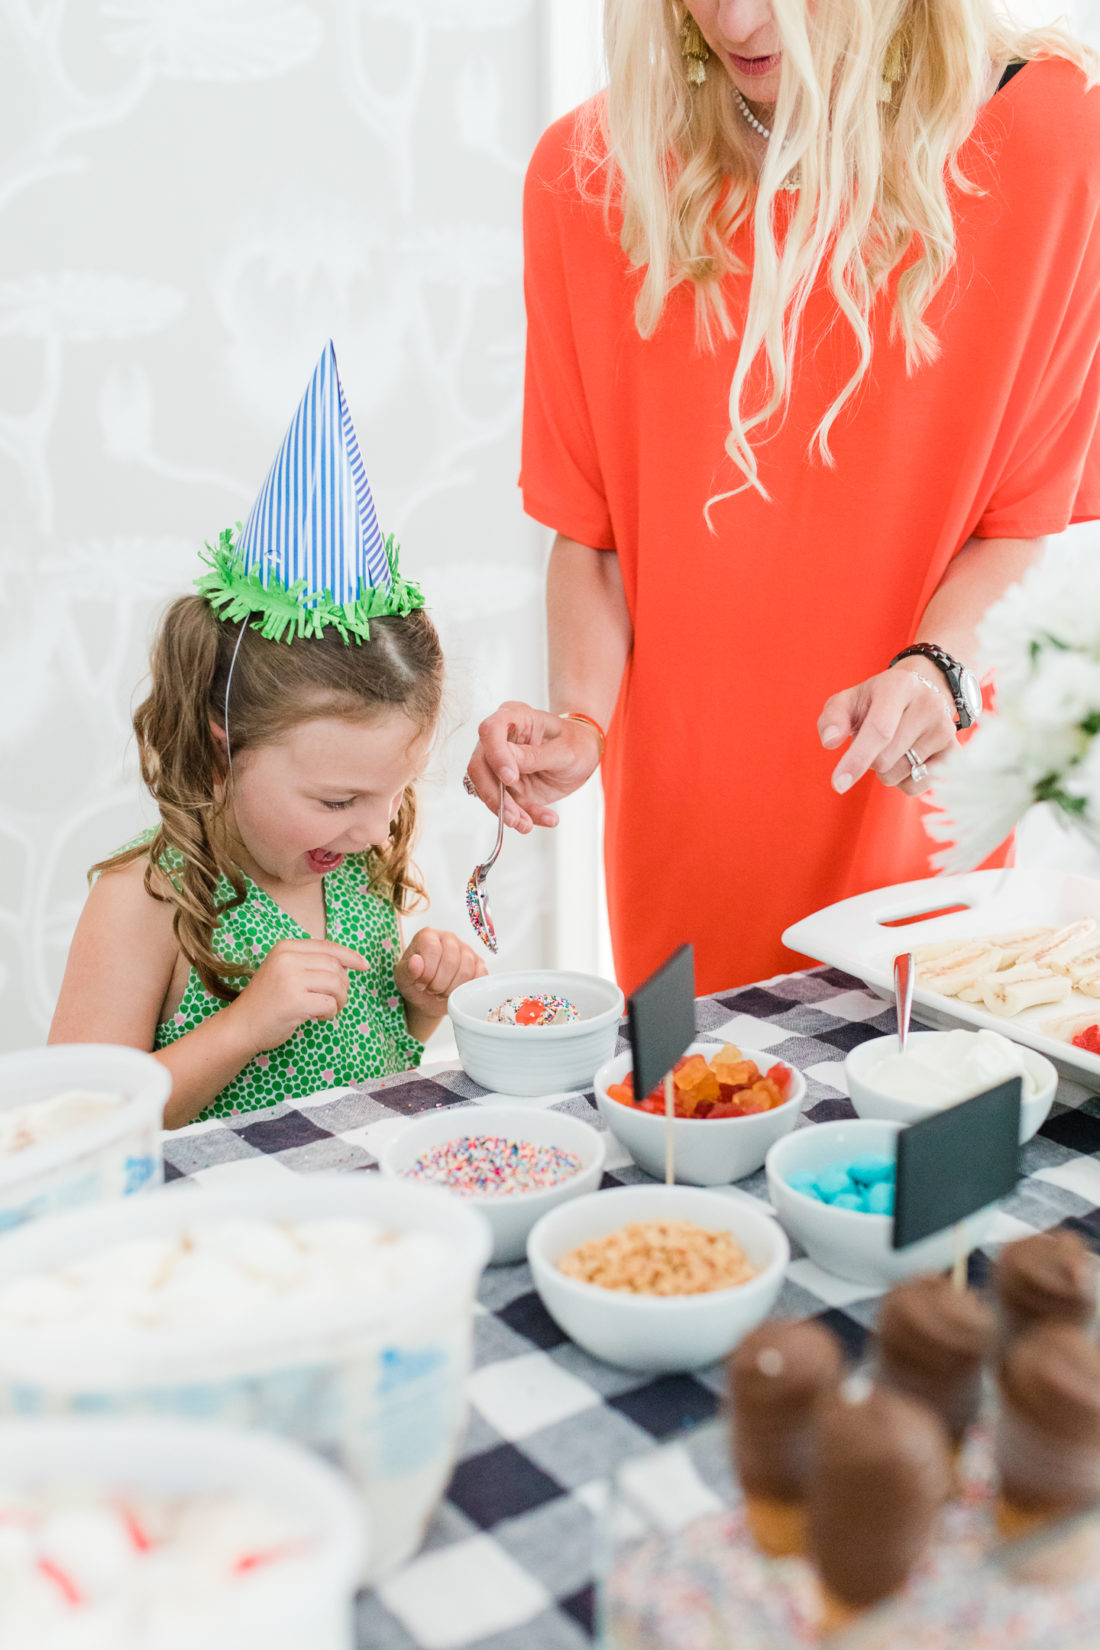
[729,1106]
[539,1031]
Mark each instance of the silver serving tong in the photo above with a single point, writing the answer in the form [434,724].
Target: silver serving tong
[903,995]
[477,899]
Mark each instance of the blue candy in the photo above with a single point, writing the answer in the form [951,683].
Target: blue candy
[804,1183]
[831,1183]
[880,1199]
[849,1200]
[871,1171]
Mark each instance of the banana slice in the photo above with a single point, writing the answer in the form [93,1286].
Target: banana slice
[956,973]
[1063,945]
[1067,1029]
[1014,997]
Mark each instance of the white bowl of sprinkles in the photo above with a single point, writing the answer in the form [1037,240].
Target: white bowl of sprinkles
[514,1164]
[524,1059]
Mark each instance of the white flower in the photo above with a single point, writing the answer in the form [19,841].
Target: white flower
[1062,689]
[983,791]
[1059,598]
[1084,781]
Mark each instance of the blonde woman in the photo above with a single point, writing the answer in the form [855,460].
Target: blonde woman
[813,370]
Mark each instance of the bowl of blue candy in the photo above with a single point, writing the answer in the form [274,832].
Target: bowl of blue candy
[832,1186]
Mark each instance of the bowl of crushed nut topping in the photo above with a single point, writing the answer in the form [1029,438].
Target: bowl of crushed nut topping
[658,1278]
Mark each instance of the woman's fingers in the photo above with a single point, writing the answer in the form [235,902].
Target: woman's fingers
[837,721]
[897,714]
[528,750]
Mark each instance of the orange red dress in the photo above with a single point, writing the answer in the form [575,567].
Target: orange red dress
[722,827]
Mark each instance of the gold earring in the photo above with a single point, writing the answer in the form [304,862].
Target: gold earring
[693,49]
[892,67]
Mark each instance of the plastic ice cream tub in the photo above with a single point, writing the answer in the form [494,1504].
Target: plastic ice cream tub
[374,1381]
[96,1161]
[305,1603]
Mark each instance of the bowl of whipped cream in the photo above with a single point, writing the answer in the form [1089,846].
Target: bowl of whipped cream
[536,1032]
[942,1068]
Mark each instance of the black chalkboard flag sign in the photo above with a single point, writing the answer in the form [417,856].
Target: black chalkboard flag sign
[661,1020]
[957,1162]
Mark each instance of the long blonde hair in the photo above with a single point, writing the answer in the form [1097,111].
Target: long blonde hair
[274,688]
[874,176]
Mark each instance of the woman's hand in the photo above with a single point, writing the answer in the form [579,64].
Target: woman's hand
[431,966]
[895,711]
[540,758]
[298,980]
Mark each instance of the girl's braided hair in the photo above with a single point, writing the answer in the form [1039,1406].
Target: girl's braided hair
[275,687]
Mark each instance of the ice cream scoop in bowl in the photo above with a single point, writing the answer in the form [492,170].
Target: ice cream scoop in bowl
[523,1053]
[940,1068]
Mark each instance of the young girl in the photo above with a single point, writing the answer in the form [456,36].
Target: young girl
[252,939]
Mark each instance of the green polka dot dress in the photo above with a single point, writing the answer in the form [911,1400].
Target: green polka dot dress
[369,1038]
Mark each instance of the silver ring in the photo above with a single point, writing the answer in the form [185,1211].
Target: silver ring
[468,785]
[918,773]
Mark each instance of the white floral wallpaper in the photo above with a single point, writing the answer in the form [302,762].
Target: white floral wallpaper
[195,194]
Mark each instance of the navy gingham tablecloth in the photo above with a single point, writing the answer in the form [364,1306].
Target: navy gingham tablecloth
[508,1561]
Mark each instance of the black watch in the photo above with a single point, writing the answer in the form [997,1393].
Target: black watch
[965,688]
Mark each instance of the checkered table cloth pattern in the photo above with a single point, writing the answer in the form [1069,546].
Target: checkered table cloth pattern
[508,1561]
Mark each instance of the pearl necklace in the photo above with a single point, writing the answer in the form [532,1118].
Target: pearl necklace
[791,181]
[757,125]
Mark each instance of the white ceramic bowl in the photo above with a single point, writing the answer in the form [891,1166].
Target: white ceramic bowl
[708,1151]
[871,1102]
[652,1332]
[528,1060]
[511,1216]
[844,1241]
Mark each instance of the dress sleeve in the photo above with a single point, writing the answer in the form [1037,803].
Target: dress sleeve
[1050,474]
[560,476]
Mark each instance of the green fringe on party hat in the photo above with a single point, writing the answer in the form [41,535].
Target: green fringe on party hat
[311,555]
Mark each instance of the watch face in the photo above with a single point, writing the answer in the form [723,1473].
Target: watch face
[970,693]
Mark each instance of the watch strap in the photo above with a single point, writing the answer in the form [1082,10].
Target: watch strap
[950,669]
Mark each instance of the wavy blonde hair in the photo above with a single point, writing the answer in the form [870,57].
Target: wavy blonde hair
[275,687]
[874,176]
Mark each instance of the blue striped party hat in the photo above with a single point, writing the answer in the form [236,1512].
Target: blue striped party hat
[311,553]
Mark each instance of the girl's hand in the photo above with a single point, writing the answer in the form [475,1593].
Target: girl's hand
[431,966]
[540,758]
[298,980]
[895,711]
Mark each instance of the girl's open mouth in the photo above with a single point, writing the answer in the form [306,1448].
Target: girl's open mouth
[321,860]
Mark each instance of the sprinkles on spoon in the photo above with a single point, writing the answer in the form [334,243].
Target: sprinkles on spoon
[488,1165]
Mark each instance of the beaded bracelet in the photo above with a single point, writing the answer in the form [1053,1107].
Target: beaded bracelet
[589,721]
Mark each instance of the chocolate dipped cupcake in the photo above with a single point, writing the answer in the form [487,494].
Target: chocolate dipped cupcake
[881,1474]
[777,1377]
[933,1341]
[1048,1433]
[1048,1278]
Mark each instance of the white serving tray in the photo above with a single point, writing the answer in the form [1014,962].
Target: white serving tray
[863,935]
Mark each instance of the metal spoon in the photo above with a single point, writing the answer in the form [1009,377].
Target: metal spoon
[903,995]
[477,900]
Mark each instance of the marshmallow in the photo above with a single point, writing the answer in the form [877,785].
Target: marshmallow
[220,1272]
